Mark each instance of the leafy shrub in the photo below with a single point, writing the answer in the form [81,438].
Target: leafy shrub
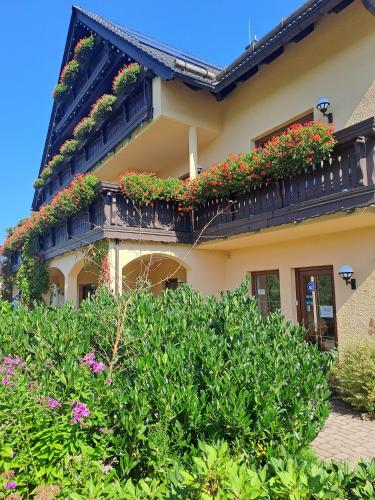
[121,449]
[83,49]
[69,73]
[69,147]
[46,172]
[84,128]
[125,78]
[145,187]
[188,369]
[285,155]
[102,107]
[353,376]
[56,161]
[39,182]
[80,193]
[60,91]
[6,280]
[32,277]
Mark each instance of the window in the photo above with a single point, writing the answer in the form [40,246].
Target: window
[172,283]
[260,142]
[266,290]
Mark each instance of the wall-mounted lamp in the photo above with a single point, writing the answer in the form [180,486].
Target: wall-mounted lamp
[199,169]
[346,273]
[323,104]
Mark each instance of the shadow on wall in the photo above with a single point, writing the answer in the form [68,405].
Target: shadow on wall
[158,270]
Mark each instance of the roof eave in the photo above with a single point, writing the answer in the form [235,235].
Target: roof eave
[287,31]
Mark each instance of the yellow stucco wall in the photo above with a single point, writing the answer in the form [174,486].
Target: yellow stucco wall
[213,270]
[355,308]
[336,61]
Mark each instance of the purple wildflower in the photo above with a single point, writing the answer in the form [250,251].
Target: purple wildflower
[53,403]
[88,359]
[10,485]
[80,411]
[6,381]
[9,361]
[98,367]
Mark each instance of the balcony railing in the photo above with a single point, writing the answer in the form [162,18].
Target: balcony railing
[128,113]
[115,216]
[344,182]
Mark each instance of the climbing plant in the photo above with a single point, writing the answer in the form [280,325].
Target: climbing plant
[32,276]
[6,280]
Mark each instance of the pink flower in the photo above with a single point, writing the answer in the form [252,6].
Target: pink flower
[10,485]
[98,367]
[88,359]
[52,403]
[9,361]
[79,411]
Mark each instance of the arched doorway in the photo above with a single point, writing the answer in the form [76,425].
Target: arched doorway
[154,271]
[56,295]
[87,281]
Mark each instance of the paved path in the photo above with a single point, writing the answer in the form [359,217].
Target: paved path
[345,435]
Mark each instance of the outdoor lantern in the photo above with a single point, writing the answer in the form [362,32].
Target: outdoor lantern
[346,273]
[323,104]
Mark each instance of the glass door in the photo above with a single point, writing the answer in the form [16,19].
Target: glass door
[316,305]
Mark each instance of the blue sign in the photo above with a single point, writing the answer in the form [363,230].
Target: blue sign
[308,303]
[311,286]
[308,296]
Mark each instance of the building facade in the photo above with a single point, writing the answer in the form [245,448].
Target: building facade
[181,116]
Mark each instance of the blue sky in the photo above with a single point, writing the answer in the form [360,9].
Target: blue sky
[32,39]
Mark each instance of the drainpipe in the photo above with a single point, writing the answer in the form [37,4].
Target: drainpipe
[193,152]
[117,261]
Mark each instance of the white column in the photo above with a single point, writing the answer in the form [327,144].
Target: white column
[193,151]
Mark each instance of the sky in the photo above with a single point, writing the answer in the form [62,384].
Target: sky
[32,39]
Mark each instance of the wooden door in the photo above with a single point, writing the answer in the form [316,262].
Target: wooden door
[316,305]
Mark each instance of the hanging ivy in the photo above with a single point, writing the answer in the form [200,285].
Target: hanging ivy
[32,276]
[6,280]
[97,254]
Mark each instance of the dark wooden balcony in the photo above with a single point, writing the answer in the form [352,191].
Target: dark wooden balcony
[115,216]
[128,113]
[345,182]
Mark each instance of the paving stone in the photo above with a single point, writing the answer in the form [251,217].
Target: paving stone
[346,435]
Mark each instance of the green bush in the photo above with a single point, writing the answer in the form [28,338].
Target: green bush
[84,128]
[69,73]
[353,376]
[60,91]
[125,78]
[187,369]
[102,107]
[69,147]
[84,48]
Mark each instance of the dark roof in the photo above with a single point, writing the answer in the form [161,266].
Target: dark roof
[291,29]
[201,74]
[178,62]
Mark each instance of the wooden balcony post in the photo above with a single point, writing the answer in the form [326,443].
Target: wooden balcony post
[193,151]
[370,147]
[107,205]
[361,161]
